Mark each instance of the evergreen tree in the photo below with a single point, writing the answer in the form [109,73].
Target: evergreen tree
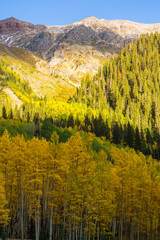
[107,130]
[3,234]
[137,144]
[28,117]
[129,135]
[116,134]
[4,113]
[70,122]
[11,114]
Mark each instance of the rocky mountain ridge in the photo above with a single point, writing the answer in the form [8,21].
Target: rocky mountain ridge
[71,51]
[101,34]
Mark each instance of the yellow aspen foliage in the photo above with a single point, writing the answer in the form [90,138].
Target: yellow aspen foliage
[4,212]
[69,190]
[5,147]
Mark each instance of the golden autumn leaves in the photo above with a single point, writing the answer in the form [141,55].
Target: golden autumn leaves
[70,185]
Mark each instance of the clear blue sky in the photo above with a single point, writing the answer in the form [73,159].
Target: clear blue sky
[61,12]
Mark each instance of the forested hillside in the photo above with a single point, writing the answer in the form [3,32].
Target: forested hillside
[13,81]
[121,102]
[84,168]
[129,84]
[128,88]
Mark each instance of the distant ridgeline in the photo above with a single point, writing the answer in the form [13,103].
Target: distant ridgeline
[121,102]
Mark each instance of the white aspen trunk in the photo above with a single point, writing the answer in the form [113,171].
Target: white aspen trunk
[22,218]
[94,231]
[74,227]
[38,222]
[43,202]
[122,212]
[65,206]
[89,234]
[81,226]
[125,220]
[64,218]
[114,225]
[26,223]
[76,231]
[36,229]
[70,231]
[51,216]
[131,234]
[139,215]
[37,217]
[98,231]
[138,229]
[51,224]
[73,234]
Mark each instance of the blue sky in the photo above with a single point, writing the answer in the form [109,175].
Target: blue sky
[61,12]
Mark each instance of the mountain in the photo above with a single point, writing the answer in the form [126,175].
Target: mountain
[31,70]
[102,35]
[53,59]
[74,49]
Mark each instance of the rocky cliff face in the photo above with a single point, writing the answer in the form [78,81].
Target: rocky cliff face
[73,49]
[12,25]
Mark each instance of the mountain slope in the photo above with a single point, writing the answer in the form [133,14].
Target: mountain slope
[71,51]
[52,59]
[32,71]
[128,86]
[101,34]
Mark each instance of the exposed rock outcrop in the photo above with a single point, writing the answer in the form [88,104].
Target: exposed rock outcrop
[73,49]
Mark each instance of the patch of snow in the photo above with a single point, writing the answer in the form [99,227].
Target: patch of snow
[78,23]
[7,40]
[9,44]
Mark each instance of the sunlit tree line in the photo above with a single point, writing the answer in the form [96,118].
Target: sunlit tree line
[52,190]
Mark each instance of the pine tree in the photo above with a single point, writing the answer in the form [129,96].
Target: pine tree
[4,113]
[3,234]
[11,114]
[137,144]
[116,134]
[70,122]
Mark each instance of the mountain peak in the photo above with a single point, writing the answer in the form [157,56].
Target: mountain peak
[12,24]
[12,18]
[92,18]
